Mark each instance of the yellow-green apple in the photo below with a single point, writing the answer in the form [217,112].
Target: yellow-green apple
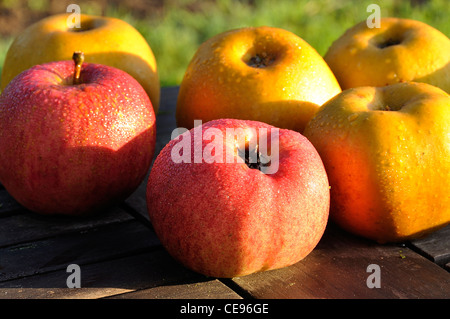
[261,73]
[400,50]
[104,40]
[73,148]
[232,197]
[387,155]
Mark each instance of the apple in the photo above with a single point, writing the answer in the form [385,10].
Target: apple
[400,50]
[232,197]
[259,73]
[74,139]
[104,40]
[386,151]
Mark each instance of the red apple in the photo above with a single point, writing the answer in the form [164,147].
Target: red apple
[73,144]
[233,197]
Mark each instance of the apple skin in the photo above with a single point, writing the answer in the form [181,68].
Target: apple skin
[225,79]
[74,149]
[104,40]
[401,50]
[228,220]
[388,167]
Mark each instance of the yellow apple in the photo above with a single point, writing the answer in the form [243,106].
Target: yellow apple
[104,40]
[386,151]
[260,73]
[400,50]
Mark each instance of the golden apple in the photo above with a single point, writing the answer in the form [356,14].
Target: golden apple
[400,50]
[104,40]
[260,73]
[386,151]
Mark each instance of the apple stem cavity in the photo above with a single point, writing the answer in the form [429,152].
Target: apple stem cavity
[78,58]
[252,158]
[260,60]
[388,43]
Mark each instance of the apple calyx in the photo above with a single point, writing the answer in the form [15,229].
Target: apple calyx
[386,107]
[260,60]
[389,42]
[87,25]
[78,58]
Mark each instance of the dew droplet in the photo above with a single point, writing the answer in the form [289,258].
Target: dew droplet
[352,117]
[392,75]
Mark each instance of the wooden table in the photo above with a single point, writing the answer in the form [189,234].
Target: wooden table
[120,257]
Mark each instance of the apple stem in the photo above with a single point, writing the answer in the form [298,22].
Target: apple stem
[249,157]
[78,58]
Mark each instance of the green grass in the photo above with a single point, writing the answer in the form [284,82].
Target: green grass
[175,35]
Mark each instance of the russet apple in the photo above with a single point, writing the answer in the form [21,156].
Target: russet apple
[104,40]
[249,200]
[74,139]
[258,73]
[400,50]
[387,155]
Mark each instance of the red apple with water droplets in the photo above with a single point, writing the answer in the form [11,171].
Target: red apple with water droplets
[74,144]
[225,217]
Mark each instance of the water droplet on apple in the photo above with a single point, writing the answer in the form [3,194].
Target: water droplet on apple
[352,117]
[392,75]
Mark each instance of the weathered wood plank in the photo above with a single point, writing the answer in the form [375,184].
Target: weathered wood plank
[28,226]
[8,205]
[136,204]
[106,278]
[435,246]
[84,246]
[212,289]
[337,268]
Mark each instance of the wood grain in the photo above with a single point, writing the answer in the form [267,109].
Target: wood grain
[337,268]
[435,246]
[115,276]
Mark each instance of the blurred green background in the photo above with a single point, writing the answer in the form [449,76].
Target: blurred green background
[175,29]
